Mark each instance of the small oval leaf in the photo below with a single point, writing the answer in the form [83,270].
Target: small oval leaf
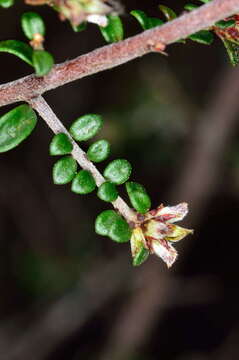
[60,145]
[16,126]
[107,192]
[141,256]
[114,31]
[6,3]
[118,171]
[32,24]
[86,126]
[64,170]
[168,12]
[42,61]
[83,183]
[98,151]
[204,37]
[145,21]
[17,48]
[109,223]
[138,197]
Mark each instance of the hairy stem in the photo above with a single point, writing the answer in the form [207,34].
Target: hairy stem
[119,53]
[47,114]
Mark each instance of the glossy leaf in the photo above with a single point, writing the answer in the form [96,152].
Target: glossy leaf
[16,126]
[111,224]
[107,192]
[86,127]
[145,21]
[203,37]
[60,145]
[118,171]
[83,183]
[42,61]
[98,151]
[6,3]
[168,13]
[64,170]
[138,197]
[114,31]
[141,256]
[32,24]
[224,24]
[17,48]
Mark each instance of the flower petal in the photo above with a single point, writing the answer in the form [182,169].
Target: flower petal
[156,229]
[165,251]
[177,233]
[137,241]
[172,214]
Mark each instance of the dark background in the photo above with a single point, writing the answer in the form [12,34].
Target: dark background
[67,293]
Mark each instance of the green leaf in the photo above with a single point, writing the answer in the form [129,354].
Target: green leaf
[107,192]
[141,256]
[138,197]
[224,24]
[86,127]
[64,170]
[145,21]
[205,1]
[111,224]
[114,31]
[203,37]
[83,183]
[232,51]
[79,28]
[168,13]
[190,7]
[16,126]
[32,24]
[43,62]
[60,145]
[17,48]
[98,151]
[6,3]
[118,171]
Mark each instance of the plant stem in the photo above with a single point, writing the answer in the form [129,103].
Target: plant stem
[48,115]
[119,53]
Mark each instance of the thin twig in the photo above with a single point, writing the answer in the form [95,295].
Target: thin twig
[119,53]
[47,114]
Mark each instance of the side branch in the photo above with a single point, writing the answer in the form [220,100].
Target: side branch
[119,53]
[47,114]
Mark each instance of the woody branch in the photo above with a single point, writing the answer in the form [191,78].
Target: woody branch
[119,53]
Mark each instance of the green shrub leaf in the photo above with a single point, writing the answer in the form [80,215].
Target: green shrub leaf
[114,31]
[79,28]
[111,224]
[107,192]
[203,37]
[118,171]
[86,127]
[42,61]
[98,151]
[32,24]
[190,7]
[64,170]
[17,48]
[224,24]
[60,145]
[83,183]
[168,13]
[16,126]
[141,256]
[145,21]
[6,3]
[138,197]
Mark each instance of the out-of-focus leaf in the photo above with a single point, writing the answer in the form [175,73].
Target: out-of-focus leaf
[145,21]
[6,3]
[114,31]
[79,28]
[32,24]
[18,48]
[16,126]
[42,61]
[190,7]
[224,24]
[168,13]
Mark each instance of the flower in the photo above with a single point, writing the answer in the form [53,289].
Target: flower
[156,234]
